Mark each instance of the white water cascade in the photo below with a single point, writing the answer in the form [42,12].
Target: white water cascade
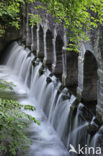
[56,109]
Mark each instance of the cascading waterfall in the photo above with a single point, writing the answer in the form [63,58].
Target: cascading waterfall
[59,114]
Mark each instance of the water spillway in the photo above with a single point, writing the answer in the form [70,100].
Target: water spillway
[63,122]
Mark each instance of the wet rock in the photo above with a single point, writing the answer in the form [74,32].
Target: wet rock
[51,74]
[41,70]
[29,47]
[65,97]
[96,121]
[92,128]
[34,61]
[74,103]
[29,54]
[66,94]
[73,107]
[60,89]
[85,113]
[49,80]
[24,42]
[37,61]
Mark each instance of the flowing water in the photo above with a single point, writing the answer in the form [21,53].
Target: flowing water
[61,121]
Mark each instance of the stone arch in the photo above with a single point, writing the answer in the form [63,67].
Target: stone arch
[49,45]
[72,71]
[41,43]
[59,46]
[90,78]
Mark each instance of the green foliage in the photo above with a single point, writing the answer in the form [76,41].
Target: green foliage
[13,122]
[11,127]
[29,107]
[10,13]
[2,30]
[34,19]
[4,85]
[77,16]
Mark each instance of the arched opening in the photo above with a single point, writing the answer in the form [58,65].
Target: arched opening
[41,43]
[35,38]
[59,68]
[72,71]
[49,45]
[90,80]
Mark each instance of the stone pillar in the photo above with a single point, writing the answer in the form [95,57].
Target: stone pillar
[80,75]
[64,62]
[28,32]
[32,38]
[81,70]
[24,23]
[100,93]
[54,50]
[64,58]
[45,47]
[45,44]
[37,33]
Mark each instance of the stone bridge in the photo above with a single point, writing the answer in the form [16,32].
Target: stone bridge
[81,72]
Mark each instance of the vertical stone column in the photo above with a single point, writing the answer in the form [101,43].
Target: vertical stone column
[100,93]
[28,32]
[45,44]
[81,70]
[45,47]
[80,75]
[32,38]
[24,23]
[64,59]
[37,33]
[54,50]
[64,63]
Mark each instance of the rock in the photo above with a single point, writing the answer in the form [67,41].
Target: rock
[60,89]
[29,54]
[37,61]
[41,70]
[49,80]
[92,128]
[85,113]
[51,74]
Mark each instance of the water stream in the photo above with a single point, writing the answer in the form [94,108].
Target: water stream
[57,111]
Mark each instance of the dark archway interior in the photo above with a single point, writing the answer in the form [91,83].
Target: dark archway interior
[72,71]
[41,43]
[90,80]
[59,45]
[49,43]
